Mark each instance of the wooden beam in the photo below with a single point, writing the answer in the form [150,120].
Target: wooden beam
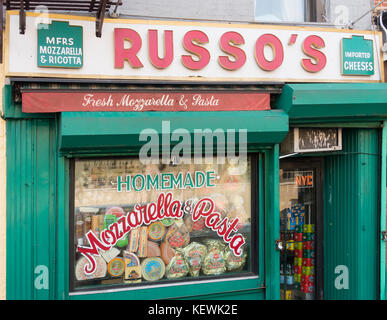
[100,17]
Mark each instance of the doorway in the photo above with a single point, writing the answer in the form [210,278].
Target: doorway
[301,227]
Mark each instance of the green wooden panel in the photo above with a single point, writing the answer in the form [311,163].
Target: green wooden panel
[272,224]
[351,217]
[93,131]
[31,188]
[334,102]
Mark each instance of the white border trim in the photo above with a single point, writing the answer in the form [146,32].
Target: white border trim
[335,148]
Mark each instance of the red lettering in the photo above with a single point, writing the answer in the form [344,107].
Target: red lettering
[277,48]
[212,220]
[87,252]
[130,54]
[200,207]
[222,227]
[115,229]
[160,202]
[154,52]
[231,228]
[167,202]
[310,46]
[174,209]
[200,52]
[238,54]
[134,219]
[108,236]
[125,226]
[236,243]
[152,211]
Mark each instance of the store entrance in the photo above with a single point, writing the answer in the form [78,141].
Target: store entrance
[301,229]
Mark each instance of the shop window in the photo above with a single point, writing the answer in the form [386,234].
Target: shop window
[297,11]
[134,224]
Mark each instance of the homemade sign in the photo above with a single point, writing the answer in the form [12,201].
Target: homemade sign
[194,51]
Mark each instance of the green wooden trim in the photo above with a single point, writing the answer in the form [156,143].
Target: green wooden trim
[383,206]
[272,224]
[13,110]
[96,132]
[186,291]
[334,102]
[234,289]
[360,124]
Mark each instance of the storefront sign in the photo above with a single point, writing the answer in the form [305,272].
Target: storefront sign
[303,179]
[194,51]
[143,101]
[164,207]
[357,56]
[60,45]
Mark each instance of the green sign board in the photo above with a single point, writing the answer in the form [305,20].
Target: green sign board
[357,56]
[60,45]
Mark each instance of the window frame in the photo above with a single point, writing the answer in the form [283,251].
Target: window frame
[253,259]
[314,10]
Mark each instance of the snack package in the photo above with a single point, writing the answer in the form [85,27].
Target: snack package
[233,262]
[194,254]
[177,267]
[177,235]
[214,262]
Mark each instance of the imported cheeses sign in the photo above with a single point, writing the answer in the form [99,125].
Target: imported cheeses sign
[195,51]
[357,56]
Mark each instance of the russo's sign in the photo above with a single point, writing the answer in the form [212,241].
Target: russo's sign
[34,102]
[176,50]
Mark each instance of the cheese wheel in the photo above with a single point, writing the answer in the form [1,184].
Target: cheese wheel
[152,269]
[116,267]
[100,271]
[156,231]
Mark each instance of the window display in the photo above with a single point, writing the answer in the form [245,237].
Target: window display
[138,224]
[297,232]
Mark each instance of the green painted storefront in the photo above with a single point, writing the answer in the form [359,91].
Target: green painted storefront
[40,146]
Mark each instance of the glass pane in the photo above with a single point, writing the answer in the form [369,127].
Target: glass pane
[297,231]
[158,223]
[280,11]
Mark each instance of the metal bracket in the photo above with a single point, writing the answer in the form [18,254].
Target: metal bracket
[384,236]
[99,18]
[22,18]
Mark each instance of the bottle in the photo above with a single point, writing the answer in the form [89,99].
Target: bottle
[79,228]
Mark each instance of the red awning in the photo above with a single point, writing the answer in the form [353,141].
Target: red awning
[62,101]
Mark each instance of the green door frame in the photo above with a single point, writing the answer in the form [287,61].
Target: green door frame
[383,208]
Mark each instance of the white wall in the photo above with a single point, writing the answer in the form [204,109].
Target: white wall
[228,10]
